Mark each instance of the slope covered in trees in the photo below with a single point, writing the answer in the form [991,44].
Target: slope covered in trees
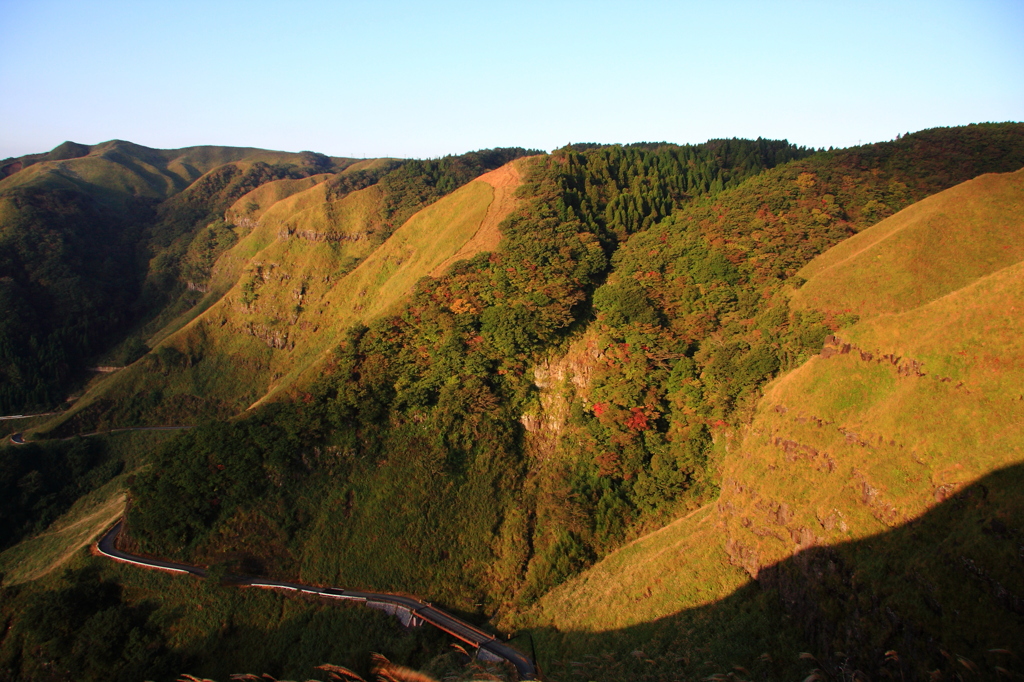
[869,501]
[535,478]
[115,239]
[78,228]
[511,421]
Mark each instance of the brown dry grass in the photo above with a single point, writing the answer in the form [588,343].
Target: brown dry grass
[852,445]
[386,671]
[680,566]
[925,251]
[505,181]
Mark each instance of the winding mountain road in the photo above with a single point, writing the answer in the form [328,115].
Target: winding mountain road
[409,610]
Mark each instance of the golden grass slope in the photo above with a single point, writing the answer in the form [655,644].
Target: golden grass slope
[267,195]
[505,181]
[304,214]
[254,298]
[680,566]
[897,416]
[892,419]
[308,269]
[229,266]
[316,244]
[925,251]
[426,241]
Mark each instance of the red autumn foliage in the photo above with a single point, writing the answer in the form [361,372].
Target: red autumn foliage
[637,420]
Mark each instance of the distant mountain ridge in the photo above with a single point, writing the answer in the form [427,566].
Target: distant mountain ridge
[120,222]
[200,159]
[680,410]
[74,251]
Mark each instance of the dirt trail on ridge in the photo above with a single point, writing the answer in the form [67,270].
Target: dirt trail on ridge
[505,181]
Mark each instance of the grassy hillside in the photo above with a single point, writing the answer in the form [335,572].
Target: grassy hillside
[105,250]
[49,551]
[924,403]
[189,265]
[310,267]
[506,182]
[96,240]
[426,242]
[189,232]
[59,496]
[471,373]
[440,380]
[932,248]
[115,170]
[494,430]
[857,449]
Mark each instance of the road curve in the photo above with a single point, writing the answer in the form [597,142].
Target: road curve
[414,609]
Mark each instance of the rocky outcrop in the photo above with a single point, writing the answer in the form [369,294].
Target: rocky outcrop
[312,236]
[274,338]
[561,380]
[905,367]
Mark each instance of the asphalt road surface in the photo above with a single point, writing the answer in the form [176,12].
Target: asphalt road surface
[408,609]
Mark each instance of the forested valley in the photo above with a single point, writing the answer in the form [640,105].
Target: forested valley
[507,424]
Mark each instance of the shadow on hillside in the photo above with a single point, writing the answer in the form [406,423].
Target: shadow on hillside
[293,634]
[305,635]
[938,593]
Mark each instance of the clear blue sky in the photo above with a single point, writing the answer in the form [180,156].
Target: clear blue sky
[419,79]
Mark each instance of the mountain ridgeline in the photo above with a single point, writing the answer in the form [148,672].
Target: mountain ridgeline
[477,378]
[447,377]
[867,505]
[104,242]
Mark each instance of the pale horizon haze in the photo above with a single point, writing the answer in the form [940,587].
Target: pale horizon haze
[407,79]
